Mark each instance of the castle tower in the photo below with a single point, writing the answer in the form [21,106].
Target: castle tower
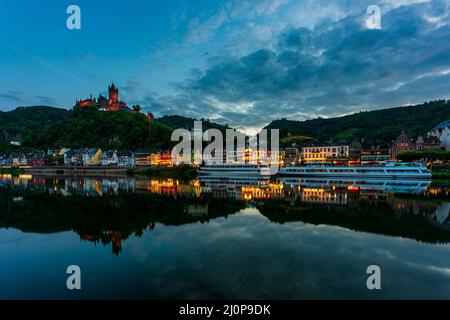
[113,94]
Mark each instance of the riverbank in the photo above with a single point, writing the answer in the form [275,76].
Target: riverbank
[13,171]
[179,172]
[76,171]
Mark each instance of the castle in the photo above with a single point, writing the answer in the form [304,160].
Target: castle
[112,103]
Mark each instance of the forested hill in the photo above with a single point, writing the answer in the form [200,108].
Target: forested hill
[92,128]
[373,126]
[28,121]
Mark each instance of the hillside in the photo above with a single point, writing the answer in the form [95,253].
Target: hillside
[176,122]
[373,126]
[27,121]
[92,128]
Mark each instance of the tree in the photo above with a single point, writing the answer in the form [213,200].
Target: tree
[427,155]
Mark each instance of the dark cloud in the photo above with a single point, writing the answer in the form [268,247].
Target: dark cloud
[334,69]
[45,100]
[12,96]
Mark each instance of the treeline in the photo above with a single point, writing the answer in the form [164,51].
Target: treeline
[26,122]
[426,155]
[110,130]
[372,126]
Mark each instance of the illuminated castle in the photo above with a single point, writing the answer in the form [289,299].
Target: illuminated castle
[111,104]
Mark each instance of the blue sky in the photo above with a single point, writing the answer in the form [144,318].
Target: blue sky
[234,61]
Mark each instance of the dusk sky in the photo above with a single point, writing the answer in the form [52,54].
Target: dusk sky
[238,62]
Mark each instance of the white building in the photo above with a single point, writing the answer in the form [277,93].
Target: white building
[325,152]
[442,131]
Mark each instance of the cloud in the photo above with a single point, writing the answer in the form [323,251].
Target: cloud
[12,96]
[334,68]
[45,100]
[18,97]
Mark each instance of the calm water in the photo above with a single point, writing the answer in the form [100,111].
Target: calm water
[155,238]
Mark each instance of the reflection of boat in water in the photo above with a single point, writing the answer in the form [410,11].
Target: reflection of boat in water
[386,185]
[234,174]
[390,170]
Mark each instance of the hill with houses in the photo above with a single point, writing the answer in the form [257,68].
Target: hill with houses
[41,127]
[370,126]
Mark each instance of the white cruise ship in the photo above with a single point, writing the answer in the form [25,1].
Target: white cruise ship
[234,172]
[390,170]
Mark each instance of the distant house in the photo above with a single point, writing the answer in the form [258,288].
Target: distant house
[165,159]
[16,140]
[18,159]
[125,159]
[325,152]
[376,153]
[401,144]
[143,158]
[36,159]
[68,157]
[428,143]
[109,158]
[4,161]
[73,157]
[92,157]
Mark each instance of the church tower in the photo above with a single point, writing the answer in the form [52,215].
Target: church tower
[113,94]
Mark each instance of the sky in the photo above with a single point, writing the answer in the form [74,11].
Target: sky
[239,62]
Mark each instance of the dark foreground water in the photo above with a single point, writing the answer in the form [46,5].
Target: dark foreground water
[151,238]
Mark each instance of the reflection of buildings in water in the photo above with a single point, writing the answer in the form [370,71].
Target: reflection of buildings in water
[166,187]
[442,212]
[115,237]
[438,213]
[320,195]
[242,189]
[18,181]
[194,210]
[268,191]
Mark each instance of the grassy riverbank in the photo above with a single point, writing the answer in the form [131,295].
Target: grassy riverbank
[179,172]
[441,176]
[13,171]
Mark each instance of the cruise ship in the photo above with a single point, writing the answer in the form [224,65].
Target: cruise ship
[408,186]
[389,170]
[237,173]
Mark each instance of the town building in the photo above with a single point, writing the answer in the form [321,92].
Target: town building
[401,144]
[376,153]
[428,143]
[324,153]
[73,157]
[143,158]
[18,159]
[92,157]
[109,158]
[125,159]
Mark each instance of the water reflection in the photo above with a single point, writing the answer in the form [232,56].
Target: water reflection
[109,210]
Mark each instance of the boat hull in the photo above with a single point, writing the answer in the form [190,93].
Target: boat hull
[424,176]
